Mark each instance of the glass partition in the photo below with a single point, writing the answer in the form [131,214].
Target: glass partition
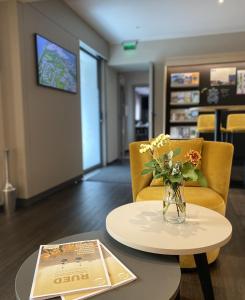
[90,111]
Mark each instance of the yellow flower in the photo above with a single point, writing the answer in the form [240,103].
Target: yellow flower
[145,147]
[161,140]
[157,142]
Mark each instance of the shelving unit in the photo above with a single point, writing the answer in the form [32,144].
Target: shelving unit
[185,122]
[179,126]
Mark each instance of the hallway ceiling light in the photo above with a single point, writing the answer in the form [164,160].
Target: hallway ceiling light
[221,1]
[129,45]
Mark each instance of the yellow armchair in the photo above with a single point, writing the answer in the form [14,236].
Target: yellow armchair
[216,166]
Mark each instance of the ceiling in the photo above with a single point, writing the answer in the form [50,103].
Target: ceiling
[144,20]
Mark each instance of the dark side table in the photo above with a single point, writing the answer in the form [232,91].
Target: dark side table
[158,277]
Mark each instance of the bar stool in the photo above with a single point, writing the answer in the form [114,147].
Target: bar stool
[205,123]
[235,124]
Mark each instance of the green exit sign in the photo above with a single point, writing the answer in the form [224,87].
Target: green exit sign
[129,45]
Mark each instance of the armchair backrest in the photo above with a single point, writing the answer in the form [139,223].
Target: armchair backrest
[216,166]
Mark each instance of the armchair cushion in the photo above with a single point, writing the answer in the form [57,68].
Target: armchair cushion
[197,195]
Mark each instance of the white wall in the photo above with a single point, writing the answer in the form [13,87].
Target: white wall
[1,129]
[12,98]
[70,23]
[52,117]
[41,125]
[203,49]
[163,49]
[112,115]
[131,79]
[1,99]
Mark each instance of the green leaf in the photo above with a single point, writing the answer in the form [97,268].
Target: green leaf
[146,171]
[150,164]
[187,166]
[176,152]
[190,174]
[201,179]
[158,176]
[176,179]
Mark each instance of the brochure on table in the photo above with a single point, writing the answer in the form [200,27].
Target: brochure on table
[68,268]
[119,275]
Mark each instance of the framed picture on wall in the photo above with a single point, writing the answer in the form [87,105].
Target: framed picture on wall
[183,132]
[240,89]
[185,97]
[183,115]
[222,76]
[184,79]
[56,66]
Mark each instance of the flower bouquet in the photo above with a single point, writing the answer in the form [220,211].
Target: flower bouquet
[173,174]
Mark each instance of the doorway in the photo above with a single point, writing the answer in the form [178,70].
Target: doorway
[141,112]
[90,111]
[137,115]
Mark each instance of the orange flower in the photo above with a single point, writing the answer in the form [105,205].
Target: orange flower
[193,157]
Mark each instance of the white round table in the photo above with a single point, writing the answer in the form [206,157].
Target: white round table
[140,225]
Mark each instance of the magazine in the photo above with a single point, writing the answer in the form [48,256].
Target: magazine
[69,267]
[119,275]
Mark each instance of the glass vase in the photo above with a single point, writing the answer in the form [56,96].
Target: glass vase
[174,207]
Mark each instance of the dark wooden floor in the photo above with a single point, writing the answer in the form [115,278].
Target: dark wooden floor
[84,208]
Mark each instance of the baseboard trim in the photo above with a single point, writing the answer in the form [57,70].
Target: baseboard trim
[113,161]
[25,202]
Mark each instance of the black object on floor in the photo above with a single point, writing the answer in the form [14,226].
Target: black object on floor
[204,275]
[118,172]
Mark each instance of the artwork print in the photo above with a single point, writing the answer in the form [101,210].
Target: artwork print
[184,79]
[56,66]
[222,76]
[213,96]
[183,115]
[185,97]
[240,82]
[183,132]
[225,93]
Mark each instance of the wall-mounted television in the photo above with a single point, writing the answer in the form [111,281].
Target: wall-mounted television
[56,66]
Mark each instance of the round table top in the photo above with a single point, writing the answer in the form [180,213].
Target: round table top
[140,225]
[157,276]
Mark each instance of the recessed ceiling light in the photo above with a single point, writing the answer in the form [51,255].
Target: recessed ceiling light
[221,1]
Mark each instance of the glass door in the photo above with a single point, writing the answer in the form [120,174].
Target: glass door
[90,111]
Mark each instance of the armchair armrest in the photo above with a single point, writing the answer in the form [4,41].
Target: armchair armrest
[216,166]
